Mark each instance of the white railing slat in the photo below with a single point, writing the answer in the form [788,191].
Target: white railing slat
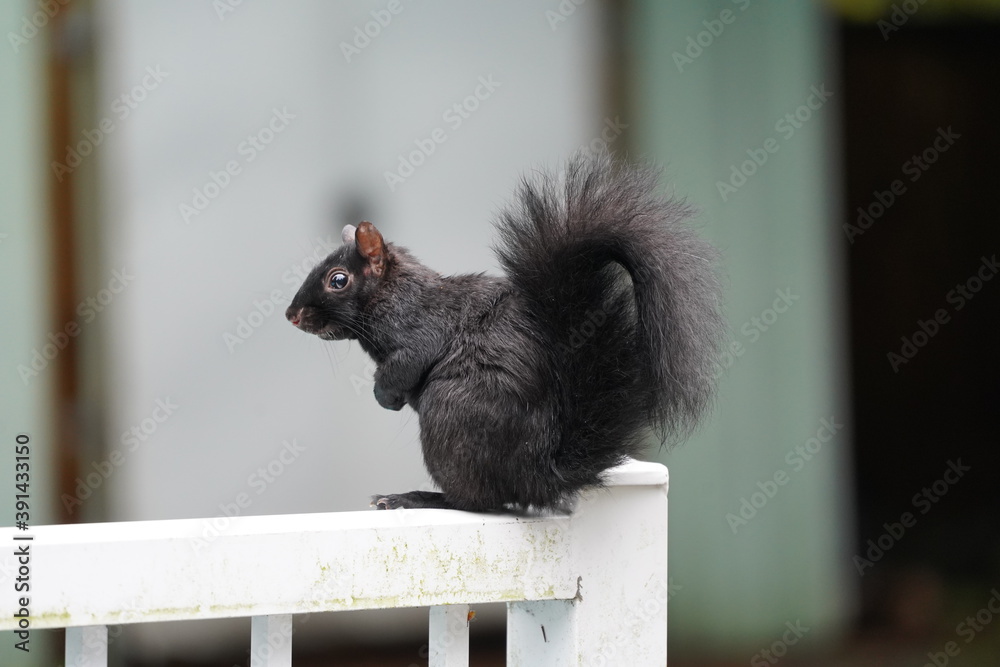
[542,633]
[448,636]
[271,641]
[87,646]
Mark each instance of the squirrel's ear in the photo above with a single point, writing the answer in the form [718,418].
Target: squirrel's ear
[347,236]
[371,247]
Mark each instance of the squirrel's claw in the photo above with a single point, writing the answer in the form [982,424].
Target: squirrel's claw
[381,502]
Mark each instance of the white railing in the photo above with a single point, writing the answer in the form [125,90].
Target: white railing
[589,588]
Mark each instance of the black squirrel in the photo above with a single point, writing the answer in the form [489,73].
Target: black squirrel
[529,386]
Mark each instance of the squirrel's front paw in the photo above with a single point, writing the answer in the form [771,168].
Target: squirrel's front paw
[388,399]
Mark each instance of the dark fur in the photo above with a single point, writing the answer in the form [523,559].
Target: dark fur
[529,386]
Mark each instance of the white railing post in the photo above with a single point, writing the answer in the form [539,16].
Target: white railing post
[618,546]
[448,636]
[271,641]
[87,646]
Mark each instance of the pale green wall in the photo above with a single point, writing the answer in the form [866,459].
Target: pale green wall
[24,288]
[776,232]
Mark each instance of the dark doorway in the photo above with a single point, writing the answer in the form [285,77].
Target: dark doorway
[922,223]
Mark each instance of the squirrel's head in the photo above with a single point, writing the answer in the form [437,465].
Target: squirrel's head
[331,301]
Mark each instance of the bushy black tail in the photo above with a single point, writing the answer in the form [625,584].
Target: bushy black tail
[627,298]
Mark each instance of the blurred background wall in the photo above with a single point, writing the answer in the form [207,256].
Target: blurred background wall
[25,261]
[172,169]
[711,90]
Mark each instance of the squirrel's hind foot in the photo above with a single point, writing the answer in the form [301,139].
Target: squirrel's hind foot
[411,500]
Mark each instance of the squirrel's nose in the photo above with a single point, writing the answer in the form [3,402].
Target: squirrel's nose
[294,315]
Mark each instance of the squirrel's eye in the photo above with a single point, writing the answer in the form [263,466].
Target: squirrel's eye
[338,281]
